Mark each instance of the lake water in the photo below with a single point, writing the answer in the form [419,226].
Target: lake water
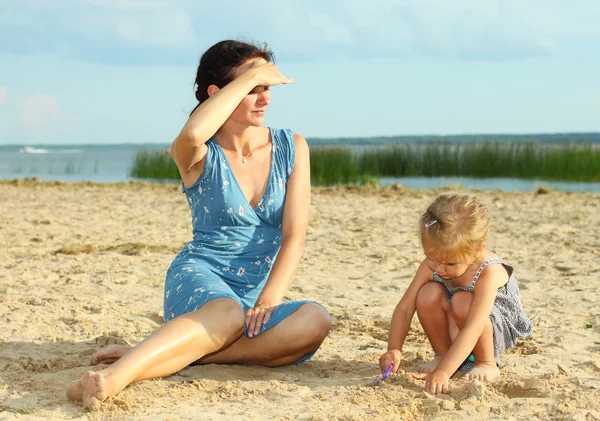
[112,163]
[99,163]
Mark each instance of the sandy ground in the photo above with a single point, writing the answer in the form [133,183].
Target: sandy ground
[83,265]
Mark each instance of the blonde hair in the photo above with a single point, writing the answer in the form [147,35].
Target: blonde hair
[457,223]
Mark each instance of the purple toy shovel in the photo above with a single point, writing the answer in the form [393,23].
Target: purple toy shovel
[384,376]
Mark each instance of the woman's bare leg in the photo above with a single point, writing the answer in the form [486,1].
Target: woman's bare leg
[285,343]
[171,347]
[299,334]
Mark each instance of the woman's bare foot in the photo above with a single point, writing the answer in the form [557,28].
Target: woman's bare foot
[89,390]
[109,355]
[483,372]
[430,365]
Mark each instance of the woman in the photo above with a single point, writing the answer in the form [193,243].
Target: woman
[248,188]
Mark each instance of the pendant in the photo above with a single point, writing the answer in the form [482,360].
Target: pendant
[244,160]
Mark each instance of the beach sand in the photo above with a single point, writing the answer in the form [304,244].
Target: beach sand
[83,265]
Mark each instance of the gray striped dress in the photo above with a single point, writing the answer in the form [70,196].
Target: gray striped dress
[508,317]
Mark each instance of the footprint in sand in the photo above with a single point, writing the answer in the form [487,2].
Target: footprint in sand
[110,340]
[529,388]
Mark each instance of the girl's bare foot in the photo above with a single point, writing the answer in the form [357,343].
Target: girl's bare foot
[109,355]
[430,365]
[483,372]
[89,390]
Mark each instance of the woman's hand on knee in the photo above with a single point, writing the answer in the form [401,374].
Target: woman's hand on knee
[257,317]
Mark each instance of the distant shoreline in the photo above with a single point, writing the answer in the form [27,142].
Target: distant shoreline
[572,137]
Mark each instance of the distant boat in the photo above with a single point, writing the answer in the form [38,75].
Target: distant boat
[30,149]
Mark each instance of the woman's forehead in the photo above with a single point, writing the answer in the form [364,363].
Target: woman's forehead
[253,62]
[256,62]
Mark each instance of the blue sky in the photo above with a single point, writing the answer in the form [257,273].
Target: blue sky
[114,71]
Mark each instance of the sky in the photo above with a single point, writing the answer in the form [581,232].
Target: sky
[122,71]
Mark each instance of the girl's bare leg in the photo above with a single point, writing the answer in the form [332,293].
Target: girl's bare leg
[485,364]
[432,309]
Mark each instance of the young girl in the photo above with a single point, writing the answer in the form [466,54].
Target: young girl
[466,297]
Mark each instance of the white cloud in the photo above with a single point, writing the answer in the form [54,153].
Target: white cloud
[150,23]
[144,23]
[487,28]
[37,117]
[3,95]
[136,22]
[483,28]
[157,30]
[38,110]
[304,28]
[333,32]
[576,18]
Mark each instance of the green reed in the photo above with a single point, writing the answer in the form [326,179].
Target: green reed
[333,166]
[72,168]
[569,162]
[153,164]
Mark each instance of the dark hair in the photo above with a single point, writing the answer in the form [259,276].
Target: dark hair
[218,64]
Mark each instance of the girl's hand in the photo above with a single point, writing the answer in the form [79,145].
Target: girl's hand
[258,316]
[391,357]
[267,74]
[435,381]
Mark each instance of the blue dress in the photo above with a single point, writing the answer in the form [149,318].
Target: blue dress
[234,245]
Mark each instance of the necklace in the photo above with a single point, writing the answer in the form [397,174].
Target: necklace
[244,158]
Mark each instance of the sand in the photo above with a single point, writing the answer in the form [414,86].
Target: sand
[83,265]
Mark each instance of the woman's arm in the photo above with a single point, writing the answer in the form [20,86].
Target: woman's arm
[294,224]
[189,147]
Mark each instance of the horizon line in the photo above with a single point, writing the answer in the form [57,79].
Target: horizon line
[318,138]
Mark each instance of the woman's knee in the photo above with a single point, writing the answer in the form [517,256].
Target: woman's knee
[432,294]
[228,313]
[315,323]
[461,303]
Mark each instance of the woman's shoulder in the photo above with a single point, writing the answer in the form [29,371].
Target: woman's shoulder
[288,133]
[289,140]
[300,142]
